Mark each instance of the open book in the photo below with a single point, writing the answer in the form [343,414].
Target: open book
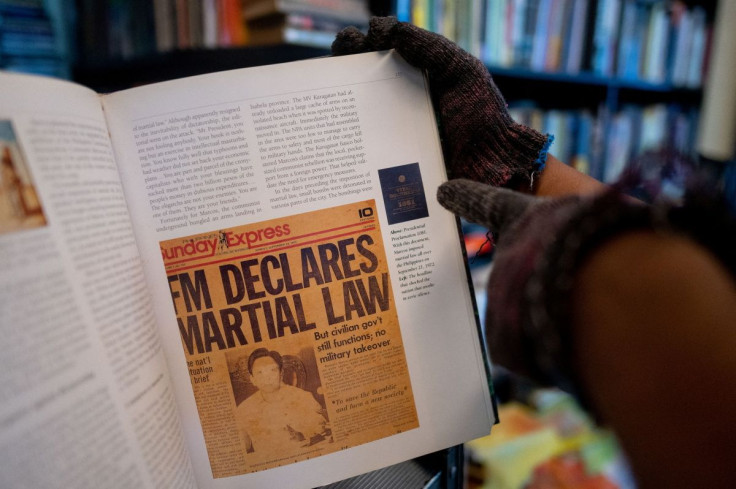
[240,279]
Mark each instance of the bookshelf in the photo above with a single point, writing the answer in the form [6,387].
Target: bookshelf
[569,89]
[625,74]
[590,80]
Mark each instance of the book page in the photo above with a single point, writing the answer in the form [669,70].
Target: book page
[310,290]
[86,400]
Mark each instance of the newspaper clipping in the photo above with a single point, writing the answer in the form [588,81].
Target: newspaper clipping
[291,336]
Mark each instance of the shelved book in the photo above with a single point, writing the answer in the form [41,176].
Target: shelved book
[240,279]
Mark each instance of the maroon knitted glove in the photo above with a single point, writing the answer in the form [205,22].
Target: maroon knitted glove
[480,140]
[542,244]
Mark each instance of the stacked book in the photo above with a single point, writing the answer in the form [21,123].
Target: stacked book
[27,39]
[304,22]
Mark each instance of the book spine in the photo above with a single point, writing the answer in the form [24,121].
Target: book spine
[183,39]
[492,41]
[541,31]
[232,27]
[555,40]
[573,57]
[420,13]
[403,10]
[165,28]
[209,23]
[626,41]
[437,19]
[694,77]
[449,21]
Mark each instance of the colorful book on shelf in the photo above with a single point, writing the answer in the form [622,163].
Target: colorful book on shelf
[582,155]
[183,23]
[523,56]
[448,25]
[507,38]
[476,24]
[233,30]
[209,24]
[654,68]
[681,36]
[575,38]
[698,49]
[605,37]
[631,40]
[165,27]
[494,33]
[516,32]
[437,15]
[403,10]
[196,21]
[463,30]
[541,35]
[560,57]
[558,29]
[421,13]
[653,128]
[618,146]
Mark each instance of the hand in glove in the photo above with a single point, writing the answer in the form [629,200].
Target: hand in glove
[480,140]
[542,245]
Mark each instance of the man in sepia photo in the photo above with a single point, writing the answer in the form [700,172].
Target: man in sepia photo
[278,419]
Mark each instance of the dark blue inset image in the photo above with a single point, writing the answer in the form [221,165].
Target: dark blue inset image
[403,193]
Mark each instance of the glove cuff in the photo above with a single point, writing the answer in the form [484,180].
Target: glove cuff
[488,146]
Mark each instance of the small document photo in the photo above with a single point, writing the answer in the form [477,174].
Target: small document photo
[403,193]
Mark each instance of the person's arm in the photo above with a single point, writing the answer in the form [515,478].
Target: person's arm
[559,179]
[654,327]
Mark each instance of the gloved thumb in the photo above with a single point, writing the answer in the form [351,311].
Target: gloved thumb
[492,207]
[379,38]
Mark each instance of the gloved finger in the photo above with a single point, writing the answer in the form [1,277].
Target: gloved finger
[381,32]
[493,207]
[379,38]
[350,41]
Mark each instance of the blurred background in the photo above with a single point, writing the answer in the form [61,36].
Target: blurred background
[611,79]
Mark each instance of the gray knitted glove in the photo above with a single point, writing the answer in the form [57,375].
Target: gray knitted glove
[480,140]
[542,243]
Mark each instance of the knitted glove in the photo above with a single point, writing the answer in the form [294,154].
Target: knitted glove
[542,243]
[480,140]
